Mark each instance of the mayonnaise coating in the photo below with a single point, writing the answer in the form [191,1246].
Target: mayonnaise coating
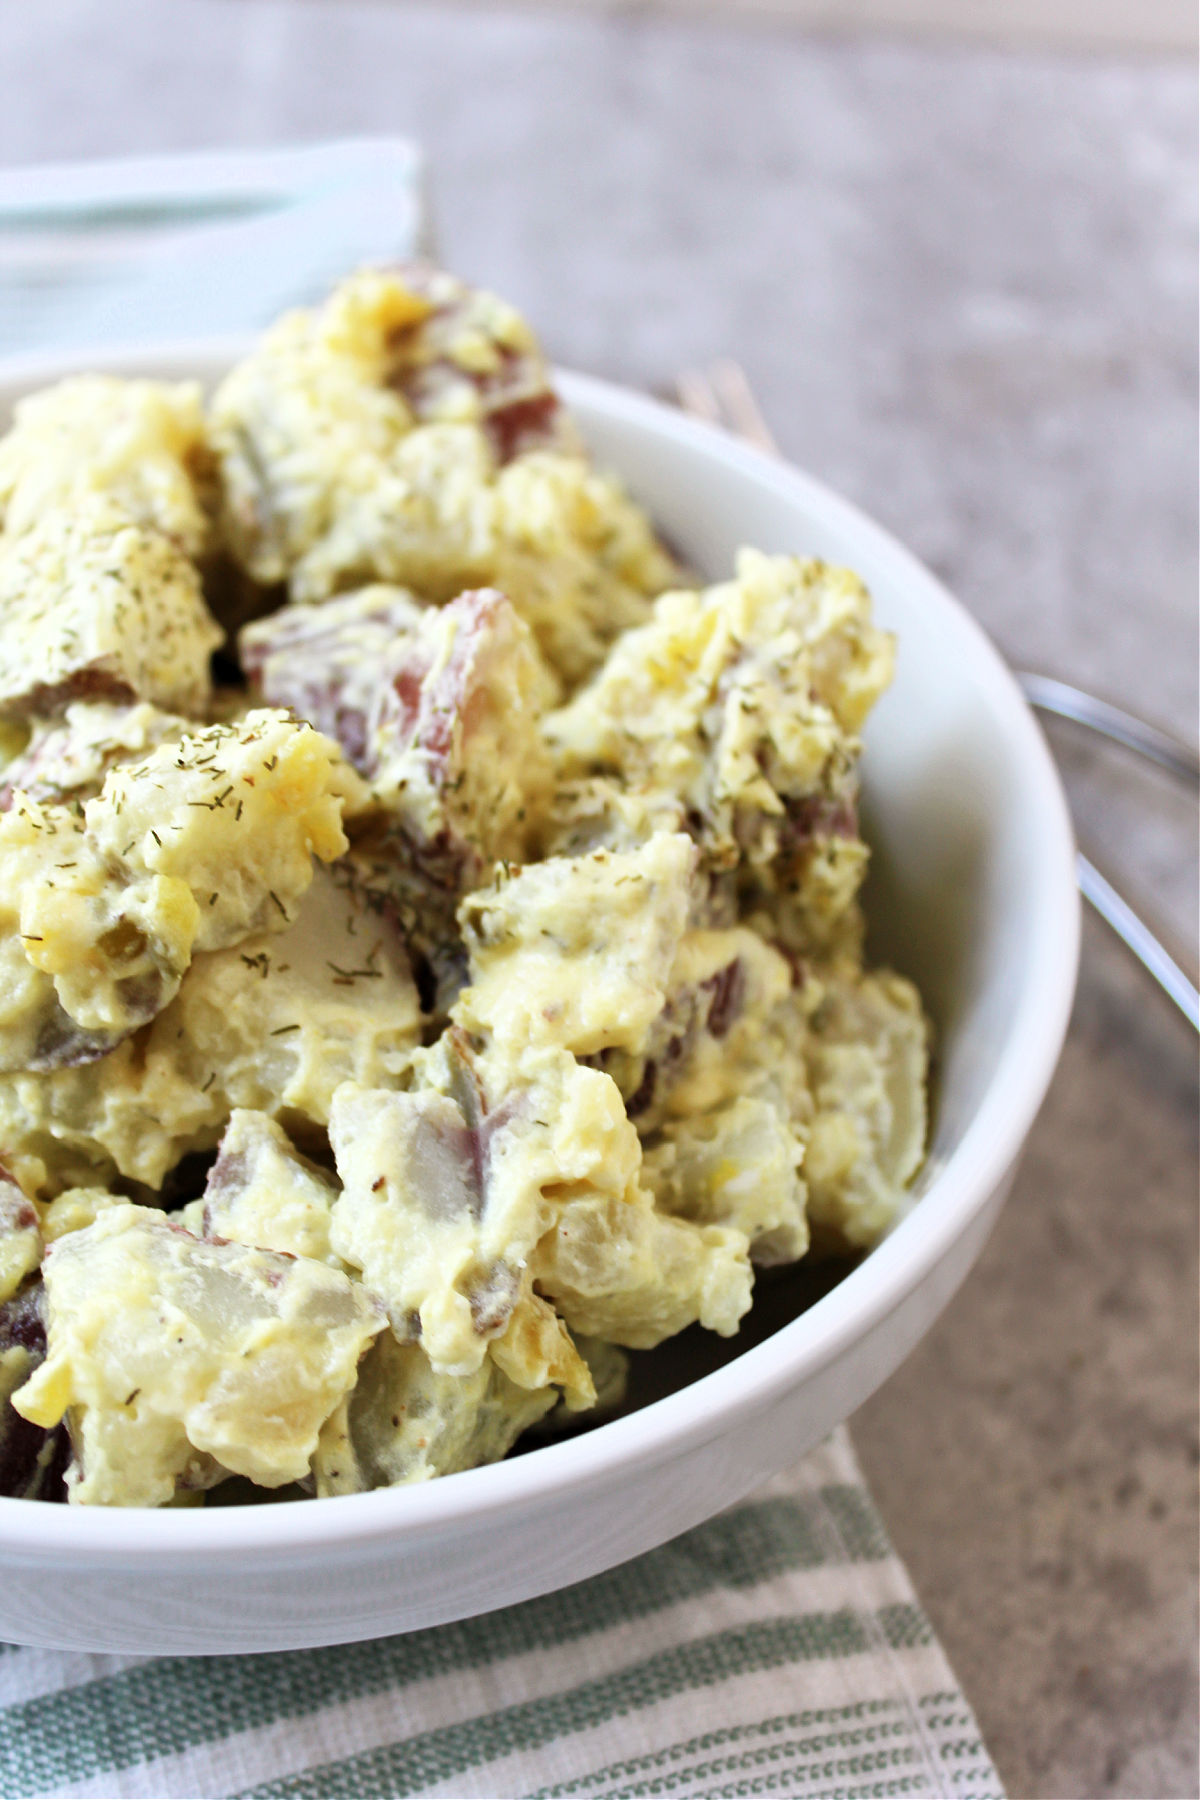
[274,1024]
[142,444]
[179,1360]
[67,758]
[95,606]
[104,905]
[744,703]
[399,1039]
[365,441]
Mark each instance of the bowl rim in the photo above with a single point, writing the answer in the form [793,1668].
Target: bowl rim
[700,1412]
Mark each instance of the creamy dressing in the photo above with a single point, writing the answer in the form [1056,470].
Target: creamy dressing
[388,1048]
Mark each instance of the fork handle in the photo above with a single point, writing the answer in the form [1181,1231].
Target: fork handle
[1052,696]
[1133,931]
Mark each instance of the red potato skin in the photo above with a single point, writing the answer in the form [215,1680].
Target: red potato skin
[33,1462]
[519,409]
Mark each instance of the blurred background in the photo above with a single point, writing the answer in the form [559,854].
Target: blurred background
[953,244]
[1091,24]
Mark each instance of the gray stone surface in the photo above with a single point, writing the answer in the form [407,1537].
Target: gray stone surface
[1036,1458]
[963,284]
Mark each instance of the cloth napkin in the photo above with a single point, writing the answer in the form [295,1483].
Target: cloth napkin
[778,1649]
[176,247]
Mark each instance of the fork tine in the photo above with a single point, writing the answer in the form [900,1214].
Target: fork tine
[698,397]
[740,407]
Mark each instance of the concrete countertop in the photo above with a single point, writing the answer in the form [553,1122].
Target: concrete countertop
[963,284]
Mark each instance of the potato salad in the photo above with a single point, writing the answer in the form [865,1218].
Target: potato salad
[431,964]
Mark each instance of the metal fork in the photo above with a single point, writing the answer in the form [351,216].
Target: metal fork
[720,394]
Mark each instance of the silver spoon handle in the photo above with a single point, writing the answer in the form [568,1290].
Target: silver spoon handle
[1067,702]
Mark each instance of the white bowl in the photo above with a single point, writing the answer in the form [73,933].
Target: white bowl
[973,895]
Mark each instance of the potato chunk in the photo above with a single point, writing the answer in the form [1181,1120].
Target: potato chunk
[329,663]
[87,952]
[578,951]
[274,1024]
[142,444]
[447,1187]
[237,813]
[595,954]
[495,1172]
[471,356]
[94,606]
[868,1065]
[743,703]
[387,436]
[67,758]
[20,1236]
[208,840]
[632,1275]
[836,1066]
[261,1191]
[737,1166]
[440,709]
[178,1361]
[447,731]
[455,746]
[404,1422]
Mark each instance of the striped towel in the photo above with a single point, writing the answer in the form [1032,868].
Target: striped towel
[779,1649]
